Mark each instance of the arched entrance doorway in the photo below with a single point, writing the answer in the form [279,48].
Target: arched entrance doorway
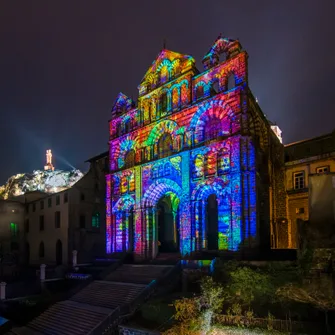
[212,222]
[167,224]
[131,231]
[161,213]
[59,252]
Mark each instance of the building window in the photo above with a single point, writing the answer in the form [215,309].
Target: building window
[299,180]
[42,204]
[129,160]
[165,145]
[322,169]
[82,196]
[300,210]
[26,226]
[13,229]
[231,82]
[96,220]
[199,93]
[57,199]
[41,222]
[41,250]
[57,219]
[49,202]
[163,103]
[212,129]
[66,198]
[198,170]
[82,222]
[34,207]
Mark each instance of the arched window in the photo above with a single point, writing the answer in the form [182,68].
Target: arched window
[96,220]
[223,161]
[41,250]
[129,159]
[146,111]
[163,103]
[231,82]
[164,75]
[175,98]
[184,95]
[215,86]
[212,129]
[198,170]
[127,126]
[199,92]
[165,147]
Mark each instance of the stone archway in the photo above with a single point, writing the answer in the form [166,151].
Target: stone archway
[167,194]
[167,224]
[212,216]
[123,213]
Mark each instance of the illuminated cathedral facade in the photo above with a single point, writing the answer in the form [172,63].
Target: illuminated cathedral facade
[191,166]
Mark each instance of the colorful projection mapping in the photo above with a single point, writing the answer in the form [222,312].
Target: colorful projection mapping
[182,177]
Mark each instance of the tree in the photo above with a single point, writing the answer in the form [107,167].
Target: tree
[195,315]
[319,293]
[246,285]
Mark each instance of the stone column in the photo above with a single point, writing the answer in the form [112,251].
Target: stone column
[203,225]
[154,233]
[42,272]
[74,258]
[3,291]
[196,222]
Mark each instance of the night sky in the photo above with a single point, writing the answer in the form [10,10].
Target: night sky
[63,62]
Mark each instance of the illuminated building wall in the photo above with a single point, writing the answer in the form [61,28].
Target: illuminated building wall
[192,135]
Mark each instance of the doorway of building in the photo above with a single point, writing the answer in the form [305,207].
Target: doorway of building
[212,222]
[59,252]
[131,232]
[167,226]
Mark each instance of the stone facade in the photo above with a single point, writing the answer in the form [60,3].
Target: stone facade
[302,160]
[46,228]
[195,166]
[74,219]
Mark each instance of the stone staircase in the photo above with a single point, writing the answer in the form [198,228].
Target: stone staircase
[97,305]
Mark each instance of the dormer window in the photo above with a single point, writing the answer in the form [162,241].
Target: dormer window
[200,92]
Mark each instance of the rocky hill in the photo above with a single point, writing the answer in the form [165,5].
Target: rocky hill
[39,180]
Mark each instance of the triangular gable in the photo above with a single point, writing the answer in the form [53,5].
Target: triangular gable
[171,59]
[122,103]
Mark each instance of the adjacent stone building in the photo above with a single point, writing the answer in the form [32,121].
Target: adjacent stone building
[195,165]
[38,227]
[74,219]
[304,159]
